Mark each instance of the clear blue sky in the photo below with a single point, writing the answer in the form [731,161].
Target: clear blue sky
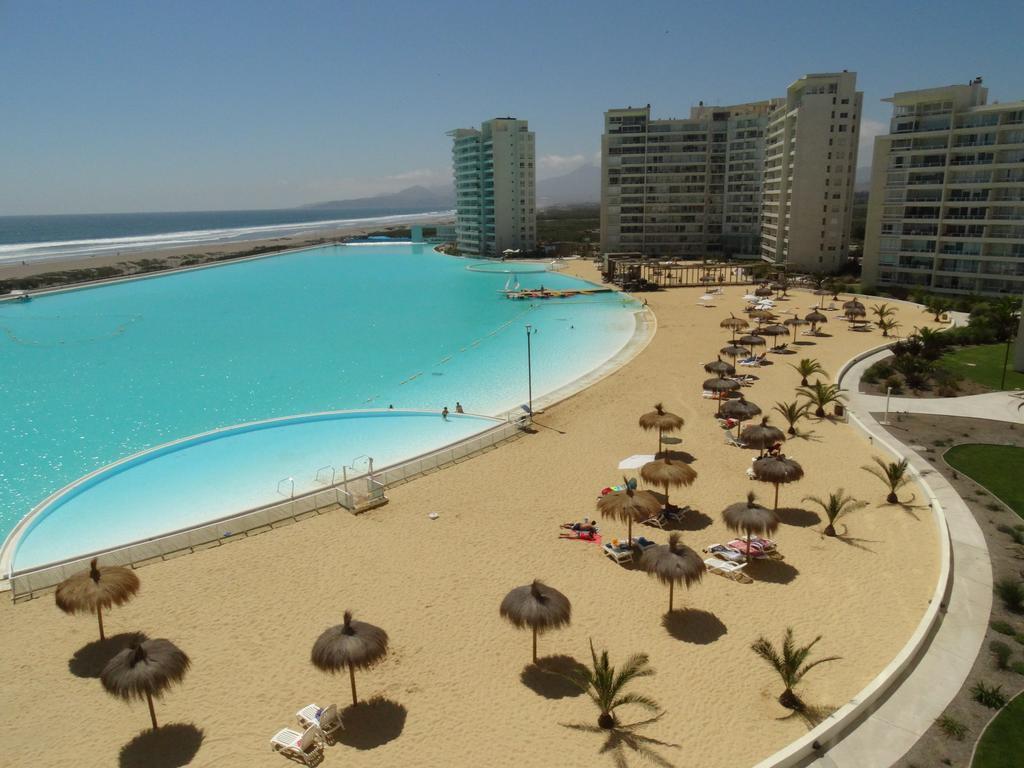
[142,106]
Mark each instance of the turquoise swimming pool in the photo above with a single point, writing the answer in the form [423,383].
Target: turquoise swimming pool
[95,375]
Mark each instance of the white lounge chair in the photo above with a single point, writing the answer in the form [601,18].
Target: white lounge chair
[327,720]
[731,439]
[732,571]
[620,554]
[306,747]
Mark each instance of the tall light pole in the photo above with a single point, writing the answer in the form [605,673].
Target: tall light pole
[529,366]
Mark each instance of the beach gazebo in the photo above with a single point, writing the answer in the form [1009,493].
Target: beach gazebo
[740,409]
[145,671]
[629,505]
[750,518]
[777,470]
[96,589]
[816,318]
[734,324]
[793,323]
[673,563]
[661,420]
[761,436]
[353,644]
[537,606]
[668,473]
[720,368]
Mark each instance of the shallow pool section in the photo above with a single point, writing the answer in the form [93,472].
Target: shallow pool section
[207,477]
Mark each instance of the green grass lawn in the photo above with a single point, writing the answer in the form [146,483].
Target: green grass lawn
[997,467]
[1002,744]
[983,364]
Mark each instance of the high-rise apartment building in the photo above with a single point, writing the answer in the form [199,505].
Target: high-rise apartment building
[495,187]
[687,188]
[946,210]
[809,172]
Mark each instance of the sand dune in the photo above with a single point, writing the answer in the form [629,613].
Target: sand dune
[451,692]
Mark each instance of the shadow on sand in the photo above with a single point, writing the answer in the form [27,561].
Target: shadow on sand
[799,518]
[547,677]
[169,746]
[683,456]
[772,571]
[373,723]
[91,658]
[624,738]
[692,625]
[812,715]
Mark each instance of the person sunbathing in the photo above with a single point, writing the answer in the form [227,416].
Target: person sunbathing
[585,527]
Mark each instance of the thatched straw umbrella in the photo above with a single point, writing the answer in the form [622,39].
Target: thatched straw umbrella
[852,304]
[763,290]
[673,563]
[98,588]
[752,340]
[740,409]
[816,318]
[538,607]
[734,324]
[734,351]
[720,368]
[762,436]
[352,644]
[822,293]
[855,313]
[144,670]
[720,386]
[777,470]
[629,505]
[661,420]
[762,316]
[794,323]
[668,473]
[780,287]
[750,518]
[774,331]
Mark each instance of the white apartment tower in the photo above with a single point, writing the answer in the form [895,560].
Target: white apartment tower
[810,167]
[495,187]
[946,210]
[687,188]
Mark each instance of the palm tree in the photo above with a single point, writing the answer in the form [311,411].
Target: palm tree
[792,413]
[883,311]
[887,324]
[937,306]
[791,664]
[604,685]
[894,474]
[808,367]
[820,394]
[836,506]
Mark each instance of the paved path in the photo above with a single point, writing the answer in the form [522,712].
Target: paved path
[897,723]
[998,406]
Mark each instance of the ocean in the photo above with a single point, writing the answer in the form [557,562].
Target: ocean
[43,238]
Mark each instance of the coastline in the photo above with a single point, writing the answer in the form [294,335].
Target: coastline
[158,260]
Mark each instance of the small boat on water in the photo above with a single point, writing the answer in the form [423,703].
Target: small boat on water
[547,293]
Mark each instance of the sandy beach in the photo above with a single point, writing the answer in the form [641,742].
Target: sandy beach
[456,688]
[197,254]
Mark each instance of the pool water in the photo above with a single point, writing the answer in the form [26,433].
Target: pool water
[94,375]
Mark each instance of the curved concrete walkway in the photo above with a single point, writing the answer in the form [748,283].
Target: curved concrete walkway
[896,724]
[998,406]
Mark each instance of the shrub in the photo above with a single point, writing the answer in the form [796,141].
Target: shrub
[993,507]
[1001,652]
[1011,592]
[1019,639]
[1018,667]
[895,384]
[1003,627]
[878,372]
[951,727]
[990,696]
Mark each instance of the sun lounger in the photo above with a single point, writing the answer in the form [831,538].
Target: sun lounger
[643,543]
[306,747]
[620,554]
[731,439]
[725,553]
[327,720]
[759,548]
[732,571]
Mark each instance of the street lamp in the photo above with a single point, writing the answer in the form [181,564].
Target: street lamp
[529,367]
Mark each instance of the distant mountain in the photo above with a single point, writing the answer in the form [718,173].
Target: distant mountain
[580,186]
[421,198]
